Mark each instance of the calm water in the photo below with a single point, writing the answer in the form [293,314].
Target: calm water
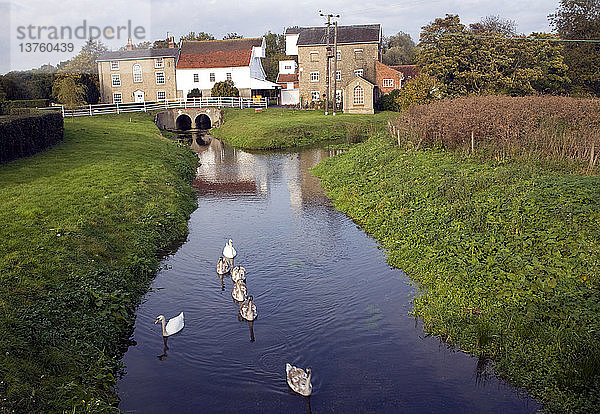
[326,299]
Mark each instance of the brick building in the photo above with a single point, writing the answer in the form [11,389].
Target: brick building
[138,75]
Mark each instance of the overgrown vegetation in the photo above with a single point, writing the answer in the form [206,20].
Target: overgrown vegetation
[27,134]
[280,128]
[83,225]
[552,128]
[505,252]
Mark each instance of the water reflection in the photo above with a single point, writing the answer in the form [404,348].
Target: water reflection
[163,356]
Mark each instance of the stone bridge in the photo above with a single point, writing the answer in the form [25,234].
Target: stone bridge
[189,118]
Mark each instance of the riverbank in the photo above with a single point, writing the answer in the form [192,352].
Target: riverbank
[275,128]
[505,254]
[83,226]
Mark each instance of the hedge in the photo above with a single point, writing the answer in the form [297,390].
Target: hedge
[25,135]
[7,106]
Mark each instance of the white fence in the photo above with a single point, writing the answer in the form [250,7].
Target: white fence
[220,102]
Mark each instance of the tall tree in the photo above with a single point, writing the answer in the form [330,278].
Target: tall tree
[198,36]
[274,52]
[494,25]
[399,49]
[580,20]
[232,36]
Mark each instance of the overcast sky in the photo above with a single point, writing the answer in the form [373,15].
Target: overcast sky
[24,20]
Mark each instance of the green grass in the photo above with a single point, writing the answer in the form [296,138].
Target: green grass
[82,228]
[506,255]
[283,128]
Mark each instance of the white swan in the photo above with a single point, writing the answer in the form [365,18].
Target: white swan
[238,273]
[222,266]
[239,291]
[173,326]
[248,309]
[228,251]
[298,380]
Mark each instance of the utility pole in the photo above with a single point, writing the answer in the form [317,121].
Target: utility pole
[328,56]
[335,68]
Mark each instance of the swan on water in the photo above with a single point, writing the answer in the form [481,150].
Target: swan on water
[222,266]
[239,291]
[173,326]
[228,251]
[248,309]
[298,380]
[238,273]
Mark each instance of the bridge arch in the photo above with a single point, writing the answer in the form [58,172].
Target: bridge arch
[202,121]
[183,122]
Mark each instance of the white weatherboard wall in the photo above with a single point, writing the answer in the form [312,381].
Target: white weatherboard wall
[290,64]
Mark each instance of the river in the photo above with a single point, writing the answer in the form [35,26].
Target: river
[325,297]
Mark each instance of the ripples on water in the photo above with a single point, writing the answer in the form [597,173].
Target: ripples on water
[325,297]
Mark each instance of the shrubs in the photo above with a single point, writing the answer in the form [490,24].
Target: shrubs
[224,88]
[25,135]
[550,127]
[8,106]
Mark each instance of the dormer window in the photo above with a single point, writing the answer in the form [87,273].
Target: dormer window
[159,63]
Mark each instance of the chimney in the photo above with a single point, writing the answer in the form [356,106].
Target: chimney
[172,42]
[129,44]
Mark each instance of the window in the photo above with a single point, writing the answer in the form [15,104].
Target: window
[358,72]
[338,75]
[287,67]
[358,54]
[160,78]
[358,95]
[137,73]
[196,77]
[315,95]
[339,55]
[161,96]
[116,80]
[117,97]
[159,63]
[314,56]
[314,76]
[211,76]
[338,96]
[388,83]
[114,65]
[228,76]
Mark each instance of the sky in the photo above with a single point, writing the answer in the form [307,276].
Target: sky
[64,25]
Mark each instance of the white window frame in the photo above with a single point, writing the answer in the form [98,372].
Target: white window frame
[158,98]
[137,75]
[358,72]
[159,63]
[114,65]
[358,95]
[339,54]
[211,77]
[158,76]
[315,95]
[314,76]
[115,80]
[228,76]
[388,82]
[358,54]
[314,56]
[338,75]
[338,96]
[117,97]
[196,77]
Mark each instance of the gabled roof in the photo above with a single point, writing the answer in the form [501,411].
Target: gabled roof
[287,77]
[295,30]
[138,54]
[367,33]
[409,71]
[217,53]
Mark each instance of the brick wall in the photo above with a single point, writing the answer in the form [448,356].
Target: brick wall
[385,72]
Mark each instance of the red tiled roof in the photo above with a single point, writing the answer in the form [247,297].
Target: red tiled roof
[409,71]
[291,77]
[216,53]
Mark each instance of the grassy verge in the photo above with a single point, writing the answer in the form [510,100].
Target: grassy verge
[507,256]
[282,128]
[82,226]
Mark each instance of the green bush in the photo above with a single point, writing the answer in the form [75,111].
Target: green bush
[7,106]
[225,88]
[388,102]
[27,134]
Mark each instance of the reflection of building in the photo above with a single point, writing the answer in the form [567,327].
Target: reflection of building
[137,75]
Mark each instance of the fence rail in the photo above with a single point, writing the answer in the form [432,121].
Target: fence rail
[219,102]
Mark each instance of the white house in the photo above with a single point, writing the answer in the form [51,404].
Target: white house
[287,78]
[203,63]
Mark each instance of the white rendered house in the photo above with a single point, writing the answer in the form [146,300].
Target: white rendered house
[288,80]
[203,63]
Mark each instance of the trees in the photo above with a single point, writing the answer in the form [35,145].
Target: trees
[67,90]
[399,49]
[224,88]
[580,19]
[274,52]
[488,58]
[198,36]
[232,36]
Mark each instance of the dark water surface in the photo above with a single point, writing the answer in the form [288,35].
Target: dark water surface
[325,297]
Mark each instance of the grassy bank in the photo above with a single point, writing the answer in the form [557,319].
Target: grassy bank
[281,128]
[506,253]
[82,226]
